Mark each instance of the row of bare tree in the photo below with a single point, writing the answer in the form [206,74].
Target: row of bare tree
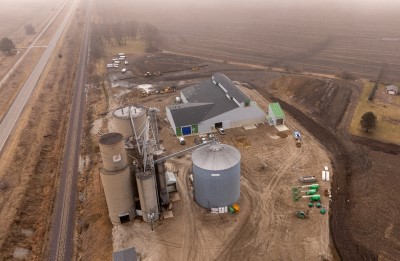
[119,34]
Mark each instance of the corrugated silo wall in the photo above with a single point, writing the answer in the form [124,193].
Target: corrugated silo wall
[140,121]
[148,196]
[213,191]
[123,126]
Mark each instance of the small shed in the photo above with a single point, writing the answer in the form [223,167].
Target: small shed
[392,89]
[171,181]
[275,114]
[128,254]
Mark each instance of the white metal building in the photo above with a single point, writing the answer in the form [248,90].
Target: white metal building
[392,89]
[212,104]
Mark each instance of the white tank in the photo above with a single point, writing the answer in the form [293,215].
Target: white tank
[119,195]
[123,122]
[146,183]
[113,152]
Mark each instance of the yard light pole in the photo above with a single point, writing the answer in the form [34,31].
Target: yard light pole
[151,217]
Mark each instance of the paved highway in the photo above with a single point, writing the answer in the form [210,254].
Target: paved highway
[14,112]
[8,74]
[62,229]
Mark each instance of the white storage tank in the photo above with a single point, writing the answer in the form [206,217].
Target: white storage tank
[123,122]
[113,152]
[146,183]
[216,175]
[119,195]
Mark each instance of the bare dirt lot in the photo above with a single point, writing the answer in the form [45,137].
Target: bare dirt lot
[271,165]
[323,109]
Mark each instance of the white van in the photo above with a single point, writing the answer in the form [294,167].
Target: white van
[121,54]
[110,65]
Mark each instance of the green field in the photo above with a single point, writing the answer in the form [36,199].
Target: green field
[387,110]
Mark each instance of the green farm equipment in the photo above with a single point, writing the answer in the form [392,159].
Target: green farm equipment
[302,214]
[312,198]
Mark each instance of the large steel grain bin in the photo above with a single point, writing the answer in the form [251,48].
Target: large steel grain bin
[216,175]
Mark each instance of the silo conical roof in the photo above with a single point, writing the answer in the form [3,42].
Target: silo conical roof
[216,157]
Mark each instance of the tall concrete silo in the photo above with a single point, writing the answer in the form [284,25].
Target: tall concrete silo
[119,195]
[146,183]
[116,178]
[123,122]
[113,152]
[216,175]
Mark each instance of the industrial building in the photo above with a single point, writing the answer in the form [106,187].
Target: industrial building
[216,175]
[212,104]
[276,116]
[392,89]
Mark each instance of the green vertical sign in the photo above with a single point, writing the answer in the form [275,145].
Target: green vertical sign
[195,129]
[178,131]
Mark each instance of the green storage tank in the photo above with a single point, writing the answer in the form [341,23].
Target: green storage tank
[311,192]
[316,197]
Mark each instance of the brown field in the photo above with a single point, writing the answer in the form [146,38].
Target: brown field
[310,37]
[29,166]
[387,110]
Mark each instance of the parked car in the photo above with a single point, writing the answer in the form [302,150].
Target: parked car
[182,140]
[221,131]
[123,70]
[126,62]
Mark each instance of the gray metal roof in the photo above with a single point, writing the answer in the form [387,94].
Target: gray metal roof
[128,254]
[189,113]
[216,157]
[207,100]
[231,88]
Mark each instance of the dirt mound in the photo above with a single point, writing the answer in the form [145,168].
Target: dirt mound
[325,99]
